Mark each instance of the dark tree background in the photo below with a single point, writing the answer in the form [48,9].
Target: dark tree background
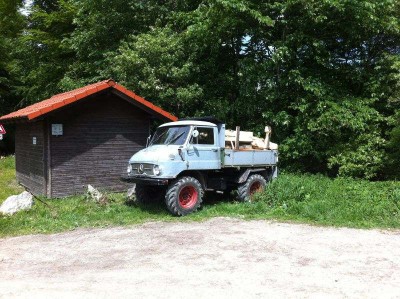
[324,73]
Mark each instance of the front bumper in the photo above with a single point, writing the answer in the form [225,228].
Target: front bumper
[145,180]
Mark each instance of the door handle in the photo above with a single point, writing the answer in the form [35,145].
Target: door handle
[214,150]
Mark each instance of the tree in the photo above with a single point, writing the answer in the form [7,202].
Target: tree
[312,69]
[101,27]
[393,162]
[323,73]
[11,24]
[42,56]
[326,62]
[158,66]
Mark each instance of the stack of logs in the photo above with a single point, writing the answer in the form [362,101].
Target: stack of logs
[244,140]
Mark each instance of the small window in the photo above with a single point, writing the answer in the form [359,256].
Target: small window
[206,136]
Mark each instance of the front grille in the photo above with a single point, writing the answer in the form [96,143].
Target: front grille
[145,169]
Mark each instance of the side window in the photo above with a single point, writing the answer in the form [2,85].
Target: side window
[206,136]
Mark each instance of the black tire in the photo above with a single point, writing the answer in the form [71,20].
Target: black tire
[254,183]
[184,196]
[148,194]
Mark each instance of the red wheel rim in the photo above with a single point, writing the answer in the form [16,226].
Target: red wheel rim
[188,197]
[255,187]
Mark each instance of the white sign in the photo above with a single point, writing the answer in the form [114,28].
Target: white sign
[34,140]
[57,129]
[1,136]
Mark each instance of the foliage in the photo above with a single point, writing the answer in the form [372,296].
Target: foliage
[393,161]
[101,27]
[324,74]
[160,57]
[41,57]
[11,24]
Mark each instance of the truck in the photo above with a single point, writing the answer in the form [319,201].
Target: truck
[186,158]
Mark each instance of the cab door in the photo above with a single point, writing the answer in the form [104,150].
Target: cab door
[203,151]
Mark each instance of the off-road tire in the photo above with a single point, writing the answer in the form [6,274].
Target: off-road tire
[254,183]
[148,194]
[184,196]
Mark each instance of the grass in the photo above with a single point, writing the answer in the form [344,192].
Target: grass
[292,197]
[338,202]
[8,184]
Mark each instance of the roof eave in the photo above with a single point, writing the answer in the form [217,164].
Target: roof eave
[13,120]
[107,84]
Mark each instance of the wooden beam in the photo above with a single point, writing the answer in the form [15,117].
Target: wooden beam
[237,138]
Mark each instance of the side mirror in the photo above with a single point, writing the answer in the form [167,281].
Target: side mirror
[195,133]
[148,140]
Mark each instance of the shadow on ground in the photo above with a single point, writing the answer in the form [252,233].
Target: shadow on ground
[158,207]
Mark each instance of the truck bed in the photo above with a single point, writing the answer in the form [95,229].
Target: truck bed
[233,158]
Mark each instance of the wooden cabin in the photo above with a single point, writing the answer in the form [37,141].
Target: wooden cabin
[84,136]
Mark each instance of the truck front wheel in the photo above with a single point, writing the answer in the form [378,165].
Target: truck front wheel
[184,196]
[255,183]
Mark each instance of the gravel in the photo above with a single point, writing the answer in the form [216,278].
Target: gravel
[219,258]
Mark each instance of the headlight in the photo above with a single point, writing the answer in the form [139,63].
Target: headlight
[129,170]
[156,170]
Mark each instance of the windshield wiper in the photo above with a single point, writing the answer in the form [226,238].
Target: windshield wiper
[159,137]
[175,138]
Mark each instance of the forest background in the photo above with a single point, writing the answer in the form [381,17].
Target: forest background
[325,74]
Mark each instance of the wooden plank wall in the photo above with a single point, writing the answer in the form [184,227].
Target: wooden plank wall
[29,158]
[100,135]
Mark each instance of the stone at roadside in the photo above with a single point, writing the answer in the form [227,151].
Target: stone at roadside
[130,195]
[15,203]
[94,195]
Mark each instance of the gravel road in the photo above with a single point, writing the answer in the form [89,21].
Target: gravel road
[219,258]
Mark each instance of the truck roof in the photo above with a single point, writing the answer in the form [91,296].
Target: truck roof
[189,123]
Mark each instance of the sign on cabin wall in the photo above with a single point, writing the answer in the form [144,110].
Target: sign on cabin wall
[57,129]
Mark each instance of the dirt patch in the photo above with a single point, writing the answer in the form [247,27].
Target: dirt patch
[218,258]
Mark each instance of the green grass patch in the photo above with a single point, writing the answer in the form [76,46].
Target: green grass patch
[59,215]
[339,202]
[8,183]
[310,199]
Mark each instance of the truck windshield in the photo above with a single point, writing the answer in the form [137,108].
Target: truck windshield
[170,135]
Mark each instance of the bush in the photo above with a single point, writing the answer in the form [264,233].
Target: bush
[393,148]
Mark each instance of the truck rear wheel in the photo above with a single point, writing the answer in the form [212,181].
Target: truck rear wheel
[148,194]
[255,183]
[184,196]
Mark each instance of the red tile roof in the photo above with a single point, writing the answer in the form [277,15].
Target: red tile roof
[63,99]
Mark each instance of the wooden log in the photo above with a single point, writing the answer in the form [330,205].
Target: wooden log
[237,138]
[267,136]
